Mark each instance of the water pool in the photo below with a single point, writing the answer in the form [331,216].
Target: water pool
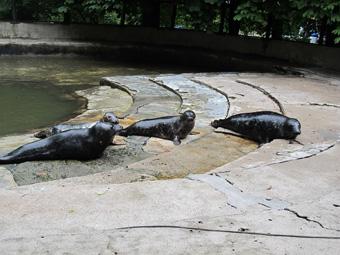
[37,91]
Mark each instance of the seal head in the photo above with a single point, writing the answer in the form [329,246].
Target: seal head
[110,117]
[103,129]
[185,124]
[216,123]
[292,128]
[188,116]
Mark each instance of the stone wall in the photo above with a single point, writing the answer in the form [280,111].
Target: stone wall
[219,45]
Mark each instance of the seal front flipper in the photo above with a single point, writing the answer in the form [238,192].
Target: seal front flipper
[43,134]
[292,141]
[123,132]
[176,140]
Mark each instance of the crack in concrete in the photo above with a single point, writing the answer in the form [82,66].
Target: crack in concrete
[139,107]
[274,99]
[236,198]
[324,104]
[204,100]
[117,85]
[301,154]
[217,90]
[160,83]
[240,231]
[303,217]
[309,220]
[305,157]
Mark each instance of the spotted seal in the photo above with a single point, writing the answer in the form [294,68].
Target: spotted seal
[172,128]
[78,144]
[262,127]
[108,117]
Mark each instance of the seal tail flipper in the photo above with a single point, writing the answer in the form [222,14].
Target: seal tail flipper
[123,132]
[5,160]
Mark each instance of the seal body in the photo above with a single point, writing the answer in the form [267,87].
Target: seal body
[172,128]
[80,144]
[108,117]
[262,127]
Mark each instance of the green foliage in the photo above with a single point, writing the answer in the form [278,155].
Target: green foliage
[337,33]
[89,11]
[101,11]
[5,9]
[252,16]
[256,17]
[328,10]
[199,14]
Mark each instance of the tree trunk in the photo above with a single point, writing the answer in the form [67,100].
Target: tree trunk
[14,11]
[173,14]
[322,30]
[277,29]
[234,26]
[223,10]
[269,25]
[330,37]
[150,13]
[123,14]
[67,18]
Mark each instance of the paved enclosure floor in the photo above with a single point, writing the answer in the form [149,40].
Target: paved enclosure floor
[280,198]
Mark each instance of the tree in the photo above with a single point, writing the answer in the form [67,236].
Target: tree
[150,13]
[326,15]
[233,24]
[14,10]
[272,19]
[252,17]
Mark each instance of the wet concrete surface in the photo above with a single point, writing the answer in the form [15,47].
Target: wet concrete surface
[206,102]
[138,97]
[114,157]
[199,156]
[150,100]
[281,198]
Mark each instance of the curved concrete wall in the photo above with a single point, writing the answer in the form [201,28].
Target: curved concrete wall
[291,52]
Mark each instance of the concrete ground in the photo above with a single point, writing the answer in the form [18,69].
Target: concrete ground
[280,198]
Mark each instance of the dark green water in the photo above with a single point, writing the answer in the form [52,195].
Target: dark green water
[34,89]
[27,106]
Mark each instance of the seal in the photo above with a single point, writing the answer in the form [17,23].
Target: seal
[172,128]
[262,127]
[78,144]
[108,117]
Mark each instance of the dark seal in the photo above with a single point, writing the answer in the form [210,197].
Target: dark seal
[79,144]
[262,127]
[172,128]
[108,117]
